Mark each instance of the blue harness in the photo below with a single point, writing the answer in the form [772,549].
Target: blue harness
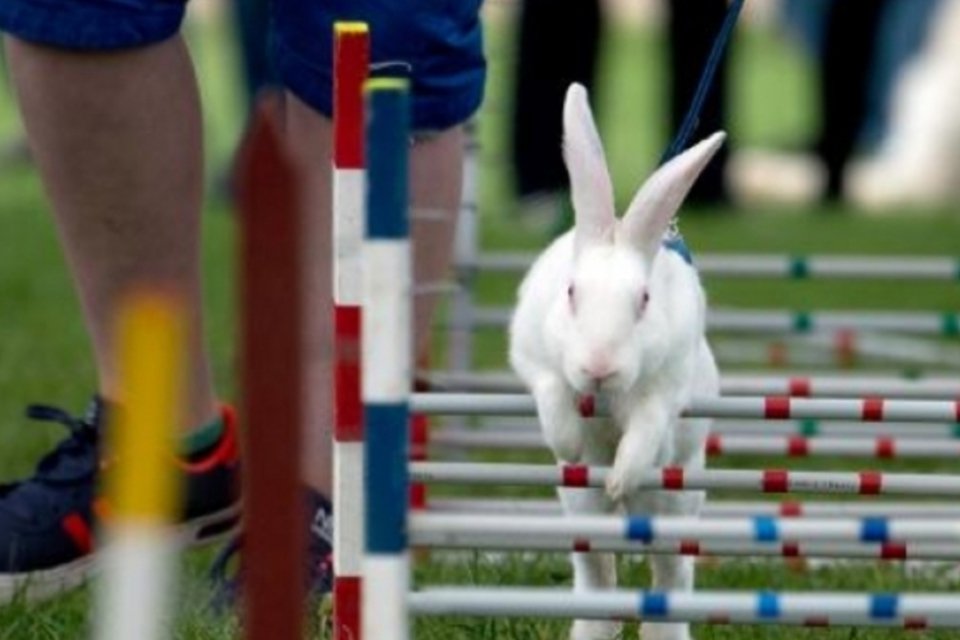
[677,245]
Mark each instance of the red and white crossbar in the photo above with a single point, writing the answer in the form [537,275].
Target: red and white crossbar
[724,508]
[891,551]
[915,611]
[351,60]
[517,427]
[799,386]
[793,446]
[760,407]
[679,479]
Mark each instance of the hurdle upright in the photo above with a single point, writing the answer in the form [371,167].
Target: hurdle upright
[387,361]
[351,60]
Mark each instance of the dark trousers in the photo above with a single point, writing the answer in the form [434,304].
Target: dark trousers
[559,43]
[845,71]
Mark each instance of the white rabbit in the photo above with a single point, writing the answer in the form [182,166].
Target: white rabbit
[608,309]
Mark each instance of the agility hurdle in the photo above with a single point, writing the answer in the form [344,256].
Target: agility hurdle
[822,609]
[679,479]
[677,529]
[763,408]
[387,361]
[722,508]
[888,551]
[388,403]
[762,321]
[527,430]
[739,384]
[883,447]
[351,60]
[841,349]
[895,268]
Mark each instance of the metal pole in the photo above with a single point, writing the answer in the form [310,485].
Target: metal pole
[723,508]
[679,479]
[766,408]
[817,609]
[351,59]
[733,384]
[677,529]
[387,361]
[730,321]
[780,266]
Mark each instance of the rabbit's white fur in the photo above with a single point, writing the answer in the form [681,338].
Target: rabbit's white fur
[581,326]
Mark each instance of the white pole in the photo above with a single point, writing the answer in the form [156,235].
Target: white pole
[679,479]
[817,609]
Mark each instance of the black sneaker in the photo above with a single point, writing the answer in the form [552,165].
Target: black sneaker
[48,522]
[227,576]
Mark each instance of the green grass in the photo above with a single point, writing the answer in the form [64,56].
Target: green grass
[44,355]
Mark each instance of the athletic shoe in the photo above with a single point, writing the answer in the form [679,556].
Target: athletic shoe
[318,570]
[48,521]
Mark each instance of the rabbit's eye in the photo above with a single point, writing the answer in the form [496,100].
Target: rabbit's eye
[570,298]
[643,302]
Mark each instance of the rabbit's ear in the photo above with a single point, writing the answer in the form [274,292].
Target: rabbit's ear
[660,197]
[590,186]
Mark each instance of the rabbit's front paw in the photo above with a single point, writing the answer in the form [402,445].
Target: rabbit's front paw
[623,479]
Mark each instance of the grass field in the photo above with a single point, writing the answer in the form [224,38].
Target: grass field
[44,356]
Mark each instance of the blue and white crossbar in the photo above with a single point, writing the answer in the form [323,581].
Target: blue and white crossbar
[816,609]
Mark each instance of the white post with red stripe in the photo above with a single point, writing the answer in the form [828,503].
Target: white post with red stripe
[351,60]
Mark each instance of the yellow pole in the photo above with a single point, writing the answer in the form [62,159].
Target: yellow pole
[141,482]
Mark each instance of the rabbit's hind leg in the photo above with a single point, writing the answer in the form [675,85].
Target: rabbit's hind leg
[592,571]
[668,572]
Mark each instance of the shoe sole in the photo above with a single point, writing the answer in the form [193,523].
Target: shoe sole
[37,586]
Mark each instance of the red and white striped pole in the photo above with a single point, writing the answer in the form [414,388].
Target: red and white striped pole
[350,61]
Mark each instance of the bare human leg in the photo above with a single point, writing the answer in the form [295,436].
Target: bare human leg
[436,176]
[117,139]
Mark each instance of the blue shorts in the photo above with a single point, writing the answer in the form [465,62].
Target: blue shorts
[440,42]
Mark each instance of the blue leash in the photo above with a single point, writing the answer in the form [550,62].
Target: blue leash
[692,119]
[674,240]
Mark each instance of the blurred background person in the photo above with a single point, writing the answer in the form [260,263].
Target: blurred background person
[860,48]
[559,43]
[917,161]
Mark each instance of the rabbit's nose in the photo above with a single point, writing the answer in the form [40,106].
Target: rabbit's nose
[600,372]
